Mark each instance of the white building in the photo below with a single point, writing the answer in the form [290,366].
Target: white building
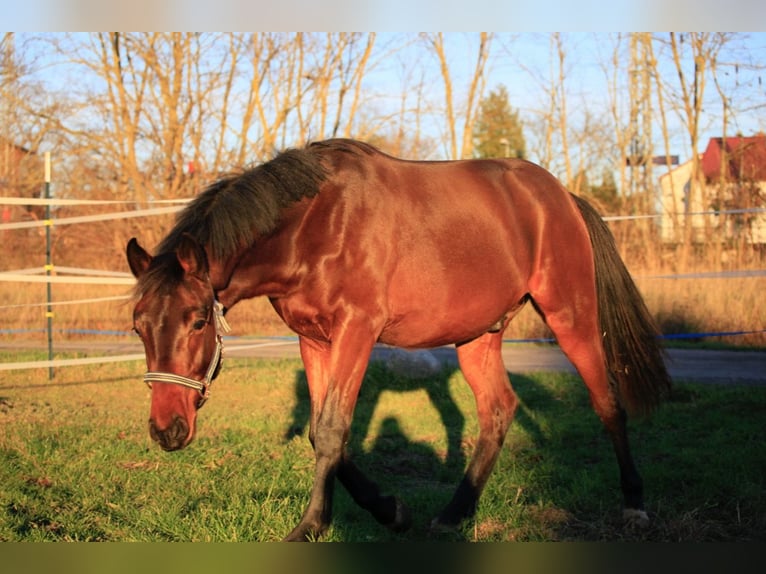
[735,197]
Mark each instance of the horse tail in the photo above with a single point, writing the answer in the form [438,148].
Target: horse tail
[634,356]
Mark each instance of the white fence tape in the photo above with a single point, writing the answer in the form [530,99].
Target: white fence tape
[69,302]
[119,358]
[659,215]
[90,218]
[24,278]
[70,362]
[83,276]
[71,271]
[57,201]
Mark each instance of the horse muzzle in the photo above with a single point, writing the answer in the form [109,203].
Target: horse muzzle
[174,437]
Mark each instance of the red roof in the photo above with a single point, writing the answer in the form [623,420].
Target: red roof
[745,158]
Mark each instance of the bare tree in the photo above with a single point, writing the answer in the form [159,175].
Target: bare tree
[559,102]
[612,66]
[303,86]
[351,72]
[153,98]
[665,130]
[178,108]
[27,116]
[548,126]
[692,55]
[400,131]
[273,61]
[460,144]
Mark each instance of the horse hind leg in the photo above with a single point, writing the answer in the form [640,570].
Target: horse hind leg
[578,334]
[482,366]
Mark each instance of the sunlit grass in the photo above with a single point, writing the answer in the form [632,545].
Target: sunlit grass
[76,461]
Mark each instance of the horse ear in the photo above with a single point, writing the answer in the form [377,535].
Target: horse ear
[138,258]
[192,256]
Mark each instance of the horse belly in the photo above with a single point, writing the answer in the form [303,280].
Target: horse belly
[458,276]
[452,307]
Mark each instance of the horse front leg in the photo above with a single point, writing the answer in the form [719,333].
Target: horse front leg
[482,365]
[335,373]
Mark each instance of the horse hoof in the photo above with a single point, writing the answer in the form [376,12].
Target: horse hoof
[296,537]
[303,534]
[402,519]
[439,527]
[635,518]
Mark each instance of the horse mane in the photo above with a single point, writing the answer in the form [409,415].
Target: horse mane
[345,145]
[241,205]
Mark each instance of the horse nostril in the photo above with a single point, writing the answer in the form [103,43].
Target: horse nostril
[172,437]
[153,431]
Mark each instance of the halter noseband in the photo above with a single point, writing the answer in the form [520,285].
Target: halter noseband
[203,386]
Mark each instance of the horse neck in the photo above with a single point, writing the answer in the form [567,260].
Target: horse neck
[221,271]
[266,267]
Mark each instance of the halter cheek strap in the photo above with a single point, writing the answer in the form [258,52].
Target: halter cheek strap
[203,386]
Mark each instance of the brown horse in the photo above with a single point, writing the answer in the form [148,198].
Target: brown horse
[354,247]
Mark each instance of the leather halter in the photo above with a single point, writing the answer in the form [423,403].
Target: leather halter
[203,386]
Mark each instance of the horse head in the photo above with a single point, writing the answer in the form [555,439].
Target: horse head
[180,324]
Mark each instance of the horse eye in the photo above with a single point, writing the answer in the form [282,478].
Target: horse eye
[199,324]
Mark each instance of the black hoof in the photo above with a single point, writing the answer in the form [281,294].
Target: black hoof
[403,518]
[439,527]
[635,518]
[303,533]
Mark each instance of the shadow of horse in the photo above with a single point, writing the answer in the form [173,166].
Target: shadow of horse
[378,379]
[414,469]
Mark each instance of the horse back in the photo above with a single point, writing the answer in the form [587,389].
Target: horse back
[468,239]
[431,252]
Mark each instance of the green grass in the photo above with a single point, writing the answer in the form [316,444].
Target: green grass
[76,461]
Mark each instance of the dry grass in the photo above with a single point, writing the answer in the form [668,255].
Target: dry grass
[679,305]
[709,306]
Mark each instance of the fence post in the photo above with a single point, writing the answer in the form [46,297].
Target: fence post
[48,263]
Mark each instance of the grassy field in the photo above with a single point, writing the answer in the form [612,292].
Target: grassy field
[76,461]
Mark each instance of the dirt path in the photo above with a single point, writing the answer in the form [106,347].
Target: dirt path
[747,367]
